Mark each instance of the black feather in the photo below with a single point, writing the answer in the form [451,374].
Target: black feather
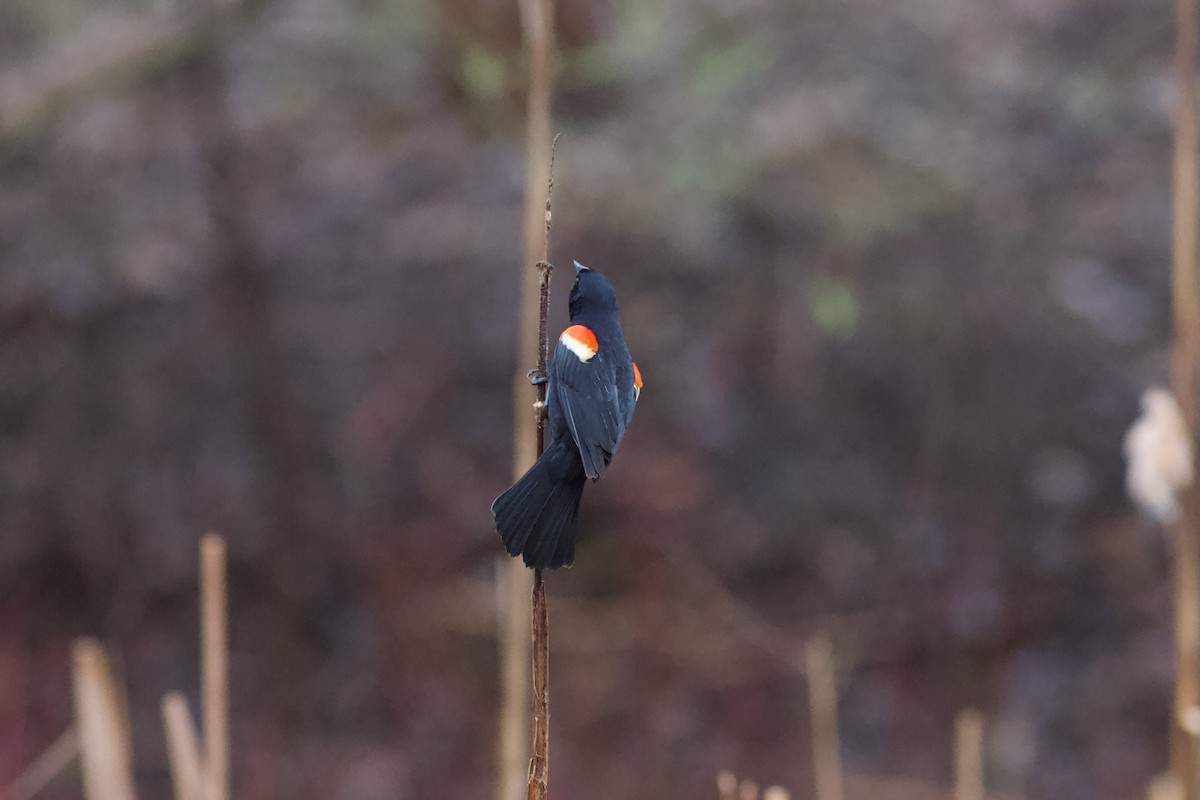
[537,516]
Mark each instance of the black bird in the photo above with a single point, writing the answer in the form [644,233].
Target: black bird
[592,390]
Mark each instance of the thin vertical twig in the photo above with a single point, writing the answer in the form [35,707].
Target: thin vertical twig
[539,763]
[1185,361]
[822,691]
[968,755]
[214,640]
[102,725]
[183,749]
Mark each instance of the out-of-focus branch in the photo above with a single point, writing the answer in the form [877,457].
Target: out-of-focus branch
[49,765]
[1184,281]
[109,52]
[214,640]
[183,749]
[102,724]
[537,22]
[968,755]
[726,785]
[515,582]
[1185,363]
[822,693]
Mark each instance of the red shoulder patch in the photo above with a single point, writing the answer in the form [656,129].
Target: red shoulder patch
[637,381]
[580,340]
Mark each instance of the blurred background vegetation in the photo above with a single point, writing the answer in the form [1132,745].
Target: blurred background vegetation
[894,272]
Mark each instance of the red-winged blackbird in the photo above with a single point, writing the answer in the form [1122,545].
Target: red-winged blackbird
[593,387]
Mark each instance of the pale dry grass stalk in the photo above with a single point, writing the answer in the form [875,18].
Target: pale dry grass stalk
[46,767]
[1185,362]
[968,755]
[102,725]
[727,785]
[516,767]
[822,692]
[214,639]
[515,584]
[183,749]
[1184,282]
[513,776]
[1164,787]
[730,788]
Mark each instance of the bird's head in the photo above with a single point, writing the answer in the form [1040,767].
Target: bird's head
[592,293]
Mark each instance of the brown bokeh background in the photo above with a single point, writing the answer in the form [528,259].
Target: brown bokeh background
[895,274]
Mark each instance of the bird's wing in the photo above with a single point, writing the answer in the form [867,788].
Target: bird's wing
[587,395]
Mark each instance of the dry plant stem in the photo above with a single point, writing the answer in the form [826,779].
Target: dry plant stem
[1164,787]
[536,21]
[968,755]
[748,790]
[1185,362]
[544,270]
[48,766]
[102,726]
[539,764]
[1185,286]
[727,785]
[513,752]
[214,635]
[183,748]
[822,689]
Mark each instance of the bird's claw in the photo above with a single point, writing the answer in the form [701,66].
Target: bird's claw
[537,376]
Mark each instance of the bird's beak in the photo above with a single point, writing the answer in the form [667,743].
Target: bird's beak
[579,268]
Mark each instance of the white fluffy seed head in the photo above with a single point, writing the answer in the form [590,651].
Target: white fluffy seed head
[1158,452]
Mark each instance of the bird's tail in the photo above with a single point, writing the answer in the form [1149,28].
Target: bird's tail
[536,515]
